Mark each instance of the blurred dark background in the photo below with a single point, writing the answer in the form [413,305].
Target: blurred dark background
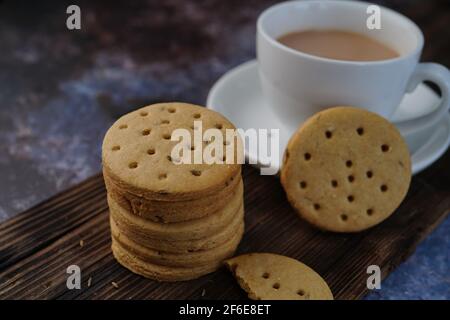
[60,89]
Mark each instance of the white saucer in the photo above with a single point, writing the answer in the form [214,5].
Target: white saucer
[237,95]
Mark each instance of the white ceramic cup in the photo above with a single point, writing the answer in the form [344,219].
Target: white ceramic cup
[297,84]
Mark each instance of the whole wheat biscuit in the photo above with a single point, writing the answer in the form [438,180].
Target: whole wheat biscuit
[179,231]
[185,260]
[157,272]
[181,246]
[173,211]
[346,169]
[267,276]
[136,153]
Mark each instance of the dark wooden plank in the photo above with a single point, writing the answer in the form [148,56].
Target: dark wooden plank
[39,226]
[38,245]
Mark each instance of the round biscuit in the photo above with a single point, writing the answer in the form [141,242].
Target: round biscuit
[158,272]
[138,235]
[346,169]
[183,260]
[195,229]
[137,152]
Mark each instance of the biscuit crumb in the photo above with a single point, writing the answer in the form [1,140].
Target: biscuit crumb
[89,282]
[81,243]
[203,292]
[115,285]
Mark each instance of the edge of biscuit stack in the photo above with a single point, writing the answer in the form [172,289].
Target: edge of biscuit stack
[170,221]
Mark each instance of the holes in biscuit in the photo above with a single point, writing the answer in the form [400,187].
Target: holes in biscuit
[133,165]
[219,126]
[369,174]
[196,173]
[334,183]
[350,198]
[162,176]
[171,110]
[385,148]
[301,292]
[383,188]
[360,131]
[348,163]
[350,178]
[307,156]
[197,115]
[123,126]
[344,217]
[369,211]
[328,134]
[169,158]
[266,275]
[227,183]
[316,206]
[165,121]
[146,132]
[115,148]
[143,113]
[166,136]
[151,151]
[303,184]
[276,286]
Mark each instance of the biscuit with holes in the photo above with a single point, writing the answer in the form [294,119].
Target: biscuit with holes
[137,153]
[185,260]
[267,276]
[173,211]
[346,169]
[194,229]
[158,272]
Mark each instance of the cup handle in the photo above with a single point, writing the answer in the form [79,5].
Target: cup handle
[439,75]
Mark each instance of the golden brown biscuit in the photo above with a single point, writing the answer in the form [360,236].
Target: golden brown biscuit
[184,260]
[267,276]
[214,240]
[157,272]
[137,149]
[179,231]
[173,211]
[346,169]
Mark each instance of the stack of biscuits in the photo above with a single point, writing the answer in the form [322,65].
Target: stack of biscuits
[172,219]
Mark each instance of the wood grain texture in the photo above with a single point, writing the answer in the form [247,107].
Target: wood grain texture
[37,246]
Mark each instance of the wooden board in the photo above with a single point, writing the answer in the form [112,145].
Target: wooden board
[38,245]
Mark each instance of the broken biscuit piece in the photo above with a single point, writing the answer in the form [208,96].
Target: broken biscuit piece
[267,276]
